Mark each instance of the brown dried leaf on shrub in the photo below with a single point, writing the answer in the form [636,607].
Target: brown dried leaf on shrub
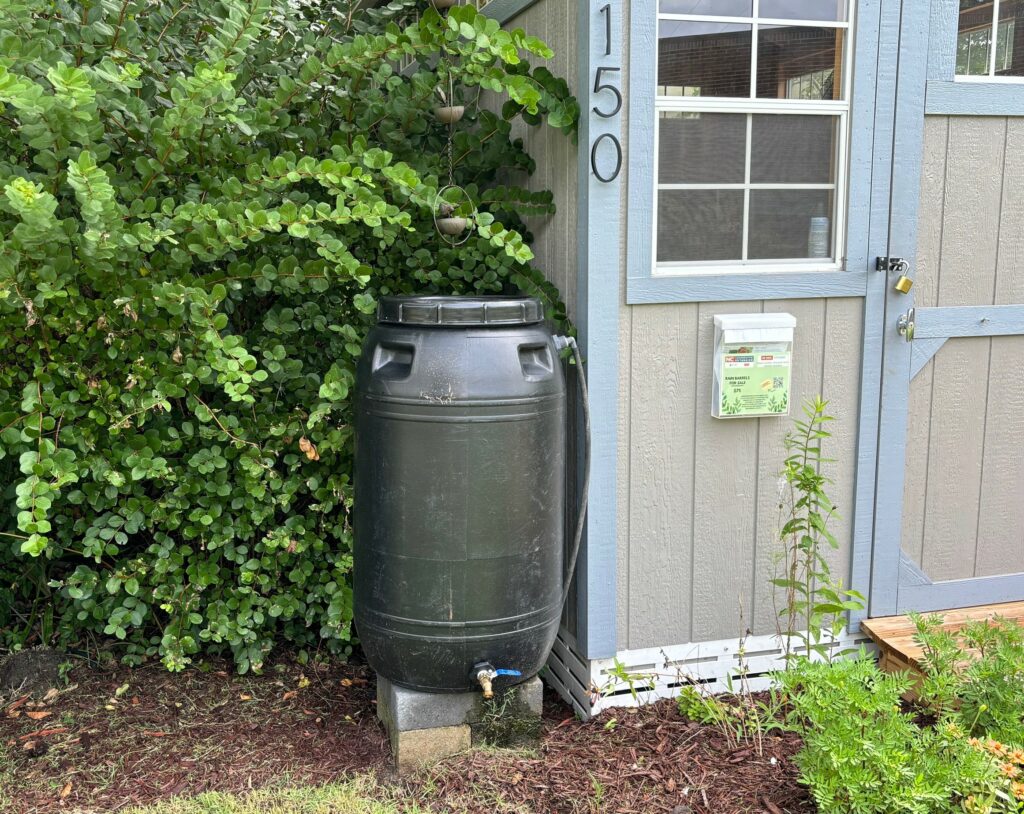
[309,448]
[38,715]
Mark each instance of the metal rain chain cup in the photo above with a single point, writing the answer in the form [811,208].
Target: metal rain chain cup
[453,208]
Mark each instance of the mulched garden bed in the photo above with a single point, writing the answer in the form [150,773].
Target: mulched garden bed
[120,737]
[628,761]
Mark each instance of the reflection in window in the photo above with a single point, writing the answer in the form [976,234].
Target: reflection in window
[714,59]
[704,58]
[981,23]
[800,53]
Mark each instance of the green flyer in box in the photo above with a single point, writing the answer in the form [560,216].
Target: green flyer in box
[755,378]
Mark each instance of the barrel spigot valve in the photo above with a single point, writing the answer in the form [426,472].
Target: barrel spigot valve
[484,673]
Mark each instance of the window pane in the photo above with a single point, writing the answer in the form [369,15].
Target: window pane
[700,225]
[1010,39]
[804,9]
[798,62]
[701,148]
[793,149]
[703,59]
[974,38]
[714,8]
[790,224]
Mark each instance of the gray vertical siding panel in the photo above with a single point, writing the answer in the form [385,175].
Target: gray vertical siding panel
[970,236]
[724,499]
[1000,547]
[661,451]
[841,379]
[771,452]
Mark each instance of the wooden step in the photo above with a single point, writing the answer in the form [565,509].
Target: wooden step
[894,635]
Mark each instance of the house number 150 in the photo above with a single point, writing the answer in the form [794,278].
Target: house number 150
[604,76]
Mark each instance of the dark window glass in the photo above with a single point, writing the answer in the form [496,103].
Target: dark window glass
[804,9]
[701,148]
[799,62]
[700,225]
[793,149]
[713,8]
[789,224]
[703,59]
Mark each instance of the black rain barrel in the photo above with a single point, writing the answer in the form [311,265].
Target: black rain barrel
[460,491]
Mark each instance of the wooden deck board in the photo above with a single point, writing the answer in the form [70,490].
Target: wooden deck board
[894,635]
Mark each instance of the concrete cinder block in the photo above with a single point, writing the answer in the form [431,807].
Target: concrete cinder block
[405,710]
[419,748]
[426,727]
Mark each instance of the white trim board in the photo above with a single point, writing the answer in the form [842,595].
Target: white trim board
[711,665]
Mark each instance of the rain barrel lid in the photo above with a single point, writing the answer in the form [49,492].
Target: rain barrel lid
[461,311]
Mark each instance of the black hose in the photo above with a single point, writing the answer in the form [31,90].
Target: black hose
[581,378]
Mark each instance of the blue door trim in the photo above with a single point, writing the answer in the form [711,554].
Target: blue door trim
[969,320]
[923,351]
[873,99]
[907,153]
[960,593]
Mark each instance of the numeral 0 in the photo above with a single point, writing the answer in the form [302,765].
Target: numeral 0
[618,158]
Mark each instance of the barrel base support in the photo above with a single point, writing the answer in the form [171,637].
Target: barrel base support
[426,727]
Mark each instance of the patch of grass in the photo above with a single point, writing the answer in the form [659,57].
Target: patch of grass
[360,796]
[6,778]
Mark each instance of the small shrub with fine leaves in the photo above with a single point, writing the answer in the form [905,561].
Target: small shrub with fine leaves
[863,752]
[976,674]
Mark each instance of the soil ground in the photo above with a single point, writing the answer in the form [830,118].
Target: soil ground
[116,738]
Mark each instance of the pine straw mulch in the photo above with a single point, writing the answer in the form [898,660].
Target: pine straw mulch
[120,737]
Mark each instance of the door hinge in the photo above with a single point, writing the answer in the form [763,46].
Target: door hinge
[905,325]
[891,264]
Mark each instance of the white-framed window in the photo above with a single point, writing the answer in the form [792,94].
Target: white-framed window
[751,135]
[982,23]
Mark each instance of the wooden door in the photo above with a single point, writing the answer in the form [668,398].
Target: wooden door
[949,487]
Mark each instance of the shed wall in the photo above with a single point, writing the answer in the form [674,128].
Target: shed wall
[700,526]
[964,490]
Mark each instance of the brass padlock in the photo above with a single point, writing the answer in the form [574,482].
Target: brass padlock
[904,284]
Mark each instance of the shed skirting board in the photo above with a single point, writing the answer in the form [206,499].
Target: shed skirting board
[568,673]
[659,672]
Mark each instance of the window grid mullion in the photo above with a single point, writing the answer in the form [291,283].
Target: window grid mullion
[995,39]
[711,18]
[753,51]
[746,185]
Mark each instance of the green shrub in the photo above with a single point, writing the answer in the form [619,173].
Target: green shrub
[864,753]
[984,690]
[199,205]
